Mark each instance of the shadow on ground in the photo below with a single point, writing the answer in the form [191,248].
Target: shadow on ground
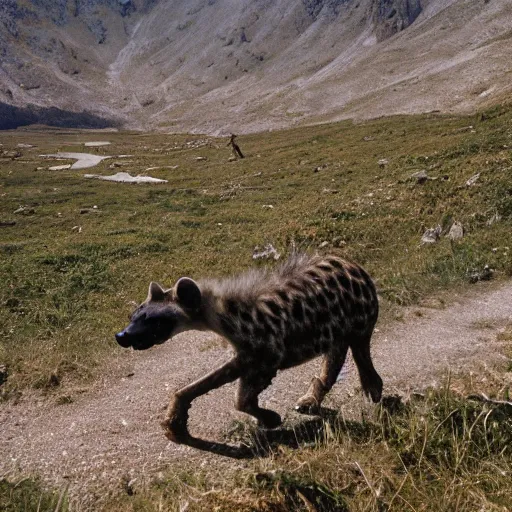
[253,442]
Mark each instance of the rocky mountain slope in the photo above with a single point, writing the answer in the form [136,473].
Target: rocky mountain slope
[246,65]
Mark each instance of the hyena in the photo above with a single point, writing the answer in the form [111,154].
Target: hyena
[308,306]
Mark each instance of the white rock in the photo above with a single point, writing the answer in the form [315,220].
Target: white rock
[431,235]
[456,231]
[495,218]
[268,252]
[472,180]
[96,144]
[124,177]
[59,167]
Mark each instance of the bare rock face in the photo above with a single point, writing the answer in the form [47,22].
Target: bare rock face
[218,66]
[393,16]
[330,8]
[42,39]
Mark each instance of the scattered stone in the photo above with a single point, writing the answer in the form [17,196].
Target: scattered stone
[368,138]
[89,210]
[7,223]
[338,241]
[59,167]
[324,244]
[25,210]
[268,206]
[96,144]
[420,177]
[161,167]
[472,180]
[464,129]
[431,235]
[486,274]
[124,177]
[383,162]
[320,168]
[330,191]
[495,218]
[201,159]
[232,159]
[268,252]
[456,231]
[10,154]
[27,146]
[78,229]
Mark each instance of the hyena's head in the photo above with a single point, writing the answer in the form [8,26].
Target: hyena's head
[163,314]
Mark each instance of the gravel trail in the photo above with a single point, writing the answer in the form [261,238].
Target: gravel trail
[111,431]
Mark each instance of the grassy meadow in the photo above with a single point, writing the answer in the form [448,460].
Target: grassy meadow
[82,250]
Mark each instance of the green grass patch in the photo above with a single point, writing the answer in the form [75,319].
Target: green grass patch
[67,278]
[438,451]
[28,495]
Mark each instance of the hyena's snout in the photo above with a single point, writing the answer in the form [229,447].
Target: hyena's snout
[132,336]
[123,339]
[143,335]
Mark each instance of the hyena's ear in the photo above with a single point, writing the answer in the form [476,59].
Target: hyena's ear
[156,293]
[188,293]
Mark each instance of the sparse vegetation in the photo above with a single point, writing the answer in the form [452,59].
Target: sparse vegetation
[438,451]
[28,495]
[65,291]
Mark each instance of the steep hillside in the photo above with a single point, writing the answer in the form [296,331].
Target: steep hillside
[247,65]
[55,53]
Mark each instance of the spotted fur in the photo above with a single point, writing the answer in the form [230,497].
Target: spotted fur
[307,307]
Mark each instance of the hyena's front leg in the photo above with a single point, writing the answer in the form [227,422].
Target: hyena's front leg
[175,423]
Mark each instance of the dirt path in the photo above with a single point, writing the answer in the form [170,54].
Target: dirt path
[111,432]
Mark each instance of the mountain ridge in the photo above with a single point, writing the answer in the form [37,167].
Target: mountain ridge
[222,65]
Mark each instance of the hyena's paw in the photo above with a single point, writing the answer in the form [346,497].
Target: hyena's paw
[308,405]
[175,425]
[176,430]
[269,419]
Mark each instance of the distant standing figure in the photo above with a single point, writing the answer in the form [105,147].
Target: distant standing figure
[234,146]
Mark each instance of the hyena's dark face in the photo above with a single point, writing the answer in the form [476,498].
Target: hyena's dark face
[163,314]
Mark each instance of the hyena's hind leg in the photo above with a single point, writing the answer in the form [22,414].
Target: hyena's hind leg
[251,385]
[370,379]
[331,366]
